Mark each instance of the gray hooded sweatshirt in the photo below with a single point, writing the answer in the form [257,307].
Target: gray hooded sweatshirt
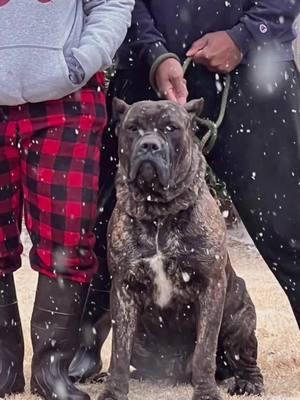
[41,39]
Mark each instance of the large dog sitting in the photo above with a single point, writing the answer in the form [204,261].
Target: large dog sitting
[178,309]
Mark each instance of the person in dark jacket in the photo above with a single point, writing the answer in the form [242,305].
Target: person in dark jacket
[257,152]
[52,116]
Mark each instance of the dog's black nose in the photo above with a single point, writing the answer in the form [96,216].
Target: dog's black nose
[149,145]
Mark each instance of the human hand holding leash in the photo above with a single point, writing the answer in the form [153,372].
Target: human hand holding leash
[170,82]
[217,52]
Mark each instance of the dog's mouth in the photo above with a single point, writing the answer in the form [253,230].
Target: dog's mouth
[149,171]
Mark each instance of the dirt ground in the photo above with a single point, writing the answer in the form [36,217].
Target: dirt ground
[278,335]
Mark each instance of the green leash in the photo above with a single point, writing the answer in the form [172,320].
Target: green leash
[209,139]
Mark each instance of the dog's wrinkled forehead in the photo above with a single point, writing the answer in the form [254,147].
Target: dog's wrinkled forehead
[155,113]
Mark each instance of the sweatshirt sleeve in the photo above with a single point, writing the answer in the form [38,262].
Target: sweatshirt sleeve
[265,21]
[144,38]
[106,24]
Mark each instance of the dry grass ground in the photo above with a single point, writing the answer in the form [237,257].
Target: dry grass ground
[279,338]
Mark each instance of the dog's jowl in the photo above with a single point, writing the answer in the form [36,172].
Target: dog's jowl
[179,311]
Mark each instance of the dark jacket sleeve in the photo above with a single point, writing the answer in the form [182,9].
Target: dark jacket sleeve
[265,21]
[146,40]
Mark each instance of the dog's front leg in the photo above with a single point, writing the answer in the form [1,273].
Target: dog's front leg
[124,313]
[209,317]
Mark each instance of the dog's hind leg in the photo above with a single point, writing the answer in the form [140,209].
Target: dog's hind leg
[238,343]
[146,363]
[154,363]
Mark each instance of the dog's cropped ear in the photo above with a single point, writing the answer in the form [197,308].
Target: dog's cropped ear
[195,107]
[119,108]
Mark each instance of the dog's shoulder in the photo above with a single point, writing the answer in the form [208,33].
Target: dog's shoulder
[206,213]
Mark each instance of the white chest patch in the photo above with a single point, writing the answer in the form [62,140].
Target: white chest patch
[162,284]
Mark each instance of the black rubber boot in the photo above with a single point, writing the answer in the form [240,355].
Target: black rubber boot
[55,326]
[11,340]
[95,327]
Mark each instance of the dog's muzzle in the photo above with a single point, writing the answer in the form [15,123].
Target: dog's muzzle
[150,160]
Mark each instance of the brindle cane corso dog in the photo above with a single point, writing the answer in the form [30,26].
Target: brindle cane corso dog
[178,309]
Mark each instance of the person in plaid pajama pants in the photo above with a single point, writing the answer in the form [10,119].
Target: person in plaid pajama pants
[52,116]
[50,156]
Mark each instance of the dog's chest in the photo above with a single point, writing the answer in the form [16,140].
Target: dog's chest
[160,270]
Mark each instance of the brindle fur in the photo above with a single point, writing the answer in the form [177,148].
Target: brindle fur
[206,309]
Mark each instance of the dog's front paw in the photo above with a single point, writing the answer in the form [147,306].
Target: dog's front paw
[207,395]
[239,386]
[111,395]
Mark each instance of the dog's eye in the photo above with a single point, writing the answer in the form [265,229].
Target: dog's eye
[170,128]
[133,128]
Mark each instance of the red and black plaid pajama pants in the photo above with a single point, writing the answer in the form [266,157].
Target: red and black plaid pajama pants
[49,162]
